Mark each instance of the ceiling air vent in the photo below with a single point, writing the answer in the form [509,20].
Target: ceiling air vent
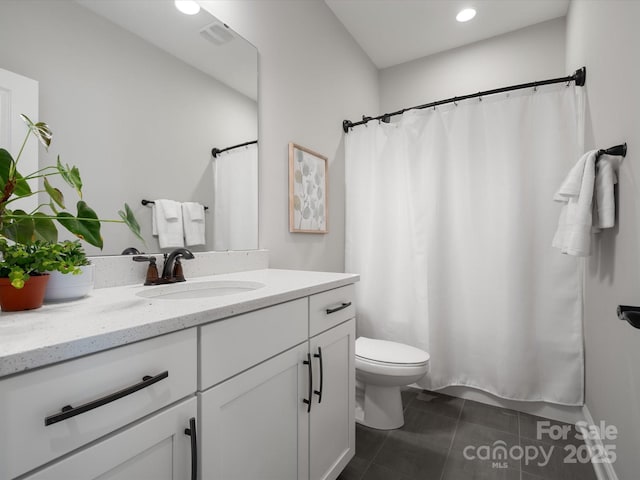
[217,33]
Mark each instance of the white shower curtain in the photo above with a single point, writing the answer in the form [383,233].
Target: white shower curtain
[449,222]
[235,215]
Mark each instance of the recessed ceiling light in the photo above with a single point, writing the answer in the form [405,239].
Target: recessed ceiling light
[465,15]
[188,7]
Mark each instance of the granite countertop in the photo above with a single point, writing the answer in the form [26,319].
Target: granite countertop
[111,317]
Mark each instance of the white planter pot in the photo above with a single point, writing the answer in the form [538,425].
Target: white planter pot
[63,287]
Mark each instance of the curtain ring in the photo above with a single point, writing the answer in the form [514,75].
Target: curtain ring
[479,99]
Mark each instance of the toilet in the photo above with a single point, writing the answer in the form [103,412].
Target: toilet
[382,367]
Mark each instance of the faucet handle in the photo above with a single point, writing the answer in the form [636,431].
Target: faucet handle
[152,271]
[177,275]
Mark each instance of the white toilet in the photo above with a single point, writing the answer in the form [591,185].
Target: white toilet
[382,367]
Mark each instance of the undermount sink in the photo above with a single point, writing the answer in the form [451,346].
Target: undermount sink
[213,288]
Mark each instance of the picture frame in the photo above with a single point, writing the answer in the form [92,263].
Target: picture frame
[308,195]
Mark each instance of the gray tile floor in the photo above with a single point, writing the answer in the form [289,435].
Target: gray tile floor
[441,434]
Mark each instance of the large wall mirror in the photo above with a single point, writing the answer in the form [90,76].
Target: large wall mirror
[137,95]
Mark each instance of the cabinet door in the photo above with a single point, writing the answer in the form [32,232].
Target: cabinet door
[255,425]
[155,449]
[332,422]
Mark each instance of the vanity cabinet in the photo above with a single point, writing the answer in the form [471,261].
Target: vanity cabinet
[264,395]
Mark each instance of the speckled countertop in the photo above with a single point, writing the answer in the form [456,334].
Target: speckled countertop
[110,317]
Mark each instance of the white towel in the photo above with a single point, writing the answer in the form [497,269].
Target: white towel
[604,211]
[590,204]
[573,235]
[193,220]
[168,223]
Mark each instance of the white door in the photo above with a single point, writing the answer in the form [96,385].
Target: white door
[155,449]
[255,425]
[332,422]
[18,95]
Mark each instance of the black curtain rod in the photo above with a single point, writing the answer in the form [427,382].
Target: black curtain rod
[147,202]
[579,77]
[216,151]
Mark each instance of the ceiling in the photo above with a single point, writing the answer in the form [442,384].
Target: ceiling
[233,63]
[397,31]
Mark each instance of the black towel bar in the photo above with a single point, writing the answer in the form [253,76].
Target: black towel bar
[630,314]
[147,202]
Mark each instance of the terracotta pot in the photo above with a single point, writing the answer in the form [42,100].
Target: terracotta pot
[26,298]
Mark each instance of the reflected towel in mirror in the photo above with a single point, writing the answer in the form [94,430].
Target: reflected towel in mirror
[168,223]
[193,222]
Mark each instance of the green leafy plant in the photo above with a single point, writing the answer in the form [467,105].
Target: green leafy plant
[29,227]
[20,261]
[71,256]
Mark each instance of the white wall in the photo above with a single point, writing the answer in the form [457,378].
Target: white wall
[604,36]
[526,55]
[137,122]
[312,76]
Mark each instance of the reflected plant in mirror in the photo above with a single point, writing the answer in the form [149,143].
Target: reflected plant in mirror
[38,225]
[139,94]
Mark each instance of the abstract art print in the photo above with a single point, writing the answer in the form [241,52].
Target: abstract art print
[308,173]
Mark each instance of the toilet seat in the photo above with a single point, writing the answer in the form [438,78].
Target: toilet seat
[386,353]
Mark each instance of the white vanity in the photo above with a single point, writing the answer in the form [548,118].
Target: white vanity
[255,385]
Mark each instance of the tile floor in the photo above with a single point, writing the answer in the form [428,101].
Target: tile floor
[438,428]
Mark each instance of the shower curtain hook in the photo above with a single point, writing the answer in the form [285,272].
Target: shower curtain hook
[535,86]
[455,101]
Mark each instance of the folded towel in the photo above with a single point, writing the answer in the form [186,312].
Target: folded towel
[573,235]
[604,211]
[193,222]
[196,211]
[168,220]
[170,208]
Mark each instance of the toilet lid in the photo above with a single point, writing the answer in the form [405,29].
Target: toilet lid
[389,352]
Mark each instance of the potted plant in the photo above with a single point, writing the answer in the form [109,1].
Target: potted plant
[35,232]
[23,273]
[73,277]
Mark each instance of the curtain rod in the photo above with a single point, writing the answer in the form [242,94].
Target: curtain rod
[579,77]
[216,151]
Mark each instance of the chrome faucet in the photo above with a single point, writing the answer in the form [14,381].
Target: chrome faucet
[172,269]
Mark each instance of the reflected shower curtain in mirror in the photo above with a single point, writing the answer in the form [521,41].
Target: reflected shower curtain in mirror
[235,204]
[449,221]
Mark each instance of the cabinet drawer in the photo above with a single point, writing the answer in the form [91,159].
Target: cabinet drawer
[28,399]
[228,347]
[330,308]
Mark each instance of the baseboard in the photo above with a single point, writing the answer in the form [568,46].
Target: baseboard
[604,471]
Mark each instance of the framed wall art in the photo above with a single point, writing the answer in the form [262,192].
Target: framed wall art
[308,172]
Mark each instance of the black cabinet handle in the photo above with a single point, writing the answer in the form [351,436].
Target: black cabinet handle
[68,411]
[337,309]
[191,431]
[310,370]
[319,357]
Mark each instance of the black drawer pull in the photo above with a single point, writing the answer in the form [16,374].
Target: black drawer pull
[319,357]
[68,411]
[191,431]
[337,309]
[307,362]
